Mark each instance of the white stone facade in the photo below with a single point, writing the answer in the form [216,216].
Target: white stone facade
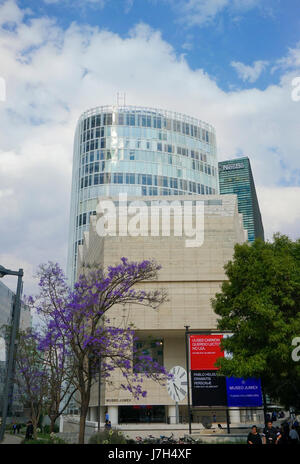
[191,276]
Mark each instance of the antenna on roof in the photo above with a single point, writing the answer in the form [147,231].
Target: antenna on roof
[121,99]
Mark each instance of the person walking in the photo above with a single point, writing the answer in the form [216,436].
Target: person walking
[284,433]
[14,427]
[270,435]
[107,425]
[18,427]
[294,437]
[29,430]
[254,437]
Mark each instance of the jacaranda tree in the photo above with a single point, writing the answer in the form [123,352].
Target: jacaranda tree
[77,324]
[51,351]
[31,375]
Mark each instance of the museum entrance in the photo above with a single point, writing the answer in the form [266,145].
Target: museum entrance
[142,414]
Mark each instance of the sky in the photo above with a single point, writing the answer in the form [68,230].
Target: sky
[231,63]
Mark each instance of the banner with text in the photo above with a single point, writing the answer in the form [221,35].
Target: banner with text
[243,392]
[208,389]
[204,351]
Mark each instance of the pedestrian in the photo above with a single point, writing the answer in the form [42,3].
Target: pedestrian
[297,426]
[284,434]
[274,416]
[270,435]
[14,427]
[18,427]
[148,414]
[106,417]
[294,437]
[254,437]
[29,430]
[108,425]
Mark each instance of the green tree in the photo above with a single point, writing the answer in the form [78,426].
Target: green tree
[260,305]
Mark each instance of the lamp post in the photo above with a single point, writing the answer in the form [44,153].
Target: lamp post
[99,395]
[188,375]
[15,321]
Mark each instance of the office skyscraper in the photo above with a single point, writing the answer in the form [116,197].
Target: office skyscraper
[140,151]
[235,176]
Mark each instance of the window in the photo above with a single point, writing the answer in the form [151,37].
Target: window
[130,119]
[130,178]
[107,119]
[152,348]
[157,122]
[121,119]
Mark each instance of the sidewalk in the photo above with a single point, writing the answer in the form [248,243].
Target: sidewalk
[11,440]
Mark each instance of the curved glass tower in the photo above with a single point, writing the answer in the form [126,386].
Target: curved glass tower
[140,151]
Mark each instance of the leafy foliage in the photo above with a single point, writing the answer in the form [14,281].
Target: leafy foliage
[108,437]
[76,333]
[260,305]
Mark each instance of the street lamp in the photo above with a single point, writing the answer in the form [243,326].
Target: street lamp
[15,322]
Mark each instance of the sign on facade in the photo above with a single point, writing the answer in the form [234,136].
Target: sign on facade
[211,389]
[243,392]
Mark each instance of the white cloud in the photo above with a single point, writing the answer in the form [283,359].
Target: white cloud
[54,75]
[280,208]
[128,6]
[10,13]
[249,73]
[200,12]
[291,61]
[76,3]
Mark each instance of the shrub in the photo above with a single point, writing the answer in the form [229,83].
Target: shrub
[105,437]
[130,441]
[45,441]
[46,429]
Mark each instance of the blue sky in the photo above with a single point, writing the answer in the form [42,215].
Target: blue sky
[241,31]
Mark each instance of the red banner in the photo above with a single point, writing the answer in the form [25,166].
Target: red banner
[204,351]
